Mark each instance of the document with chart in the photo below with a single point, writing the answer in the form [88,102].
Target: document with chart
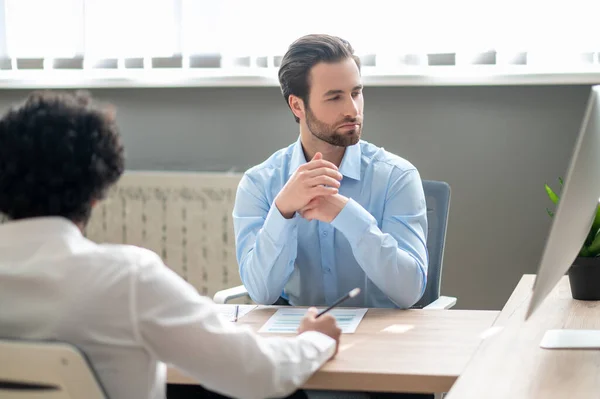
[288,320]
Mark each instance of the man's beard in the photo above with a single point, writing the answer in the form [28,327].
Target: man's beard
[329,134]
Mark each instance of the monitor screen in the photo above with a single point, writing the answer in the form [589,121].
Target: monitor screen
[576,208]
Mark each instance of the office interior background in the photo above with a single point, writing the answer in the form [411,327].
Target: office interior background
[485,95]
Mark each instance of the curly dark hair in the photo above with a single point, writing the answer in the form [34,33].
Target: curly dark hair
[58,154]
[305,53]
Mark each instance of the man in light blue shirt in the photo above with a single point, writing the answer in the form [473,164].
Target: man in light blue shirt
[330,212]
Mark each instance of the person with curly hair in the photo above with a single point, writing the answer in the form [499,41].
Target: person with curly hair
[128,312]
[58,156]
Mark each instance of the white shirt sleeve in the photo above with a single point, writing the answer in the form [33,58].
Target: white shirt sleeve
[184,329]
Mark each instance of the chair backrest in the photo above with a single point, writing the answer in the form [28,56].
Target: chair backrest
[437,196]
[46,370]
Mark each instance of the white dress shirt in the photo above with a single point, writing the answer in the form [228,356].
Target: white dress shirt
[130,315]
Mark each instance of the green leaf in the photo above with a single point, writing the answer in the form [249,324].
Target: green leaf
[550,212]
[594,248]
[584,253]
[560,180]
[596,223]
[553,197]
[594,229]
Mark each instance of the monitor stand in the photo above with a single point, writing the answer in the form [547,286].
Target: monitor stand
[571,339]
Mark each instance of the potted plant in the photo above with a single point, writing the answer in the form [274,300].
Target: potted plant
[584,273]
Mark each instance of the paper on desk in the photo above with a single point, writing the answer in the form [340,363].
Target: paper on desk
[229,310]
[288,320]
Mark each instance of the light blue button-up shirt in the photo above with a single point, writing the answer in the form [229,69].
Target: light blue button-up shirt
[377,242]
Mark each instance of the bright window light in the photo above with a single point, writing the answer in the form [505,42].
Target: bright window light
[42,28]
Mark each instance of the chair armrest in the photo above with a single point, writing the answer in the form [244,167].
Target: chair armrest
[225,296]
[443,302]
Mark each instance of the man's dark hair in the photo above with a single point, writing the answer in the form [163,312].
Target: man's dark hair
[305,53]
[58,153]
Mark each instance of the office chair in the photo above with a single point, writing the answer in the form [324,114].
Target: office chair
[437,196]
[46,370]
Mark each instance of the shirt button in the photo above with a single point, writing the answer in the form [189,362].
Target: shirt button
[324,234]
[327,270]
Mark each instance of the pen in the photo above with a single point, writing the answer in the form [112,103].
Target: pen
[349,295]
[237,310]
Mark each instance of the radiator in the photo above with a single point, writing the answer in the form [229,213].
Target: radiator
[184,217]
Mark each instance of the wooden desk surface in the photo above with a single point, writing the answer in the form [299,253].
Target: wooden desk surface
[511,363]
[394,350]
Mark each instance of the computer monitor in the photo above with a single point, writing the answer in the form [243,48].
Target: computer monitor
[572,221]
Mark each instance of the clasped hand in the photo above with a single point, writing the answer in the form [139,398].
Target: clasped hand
[312,191]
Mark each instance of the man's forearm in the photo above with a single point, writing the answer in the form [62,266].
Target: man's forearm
[267,256]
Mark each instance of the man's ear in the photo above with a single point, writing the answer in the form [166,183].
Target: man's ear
[297,106]
[93,203]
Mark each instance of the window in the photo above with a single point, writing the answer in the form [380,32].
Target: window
[214,42]
[130,28]
[43,29]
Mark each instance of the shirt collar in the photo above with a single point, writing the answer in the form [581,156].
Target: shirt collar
[38,227]
[297,158]
[350,166]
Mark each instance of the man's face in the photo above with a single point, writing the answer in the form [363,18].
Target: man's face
[334,112]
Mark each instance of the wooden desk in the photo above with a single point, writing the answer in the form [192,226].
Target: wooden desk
[511,364]
[394,350]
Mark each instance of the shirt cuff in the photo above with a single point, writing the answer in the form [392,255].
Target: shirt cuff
[278,227]
[353,220]
[324,343]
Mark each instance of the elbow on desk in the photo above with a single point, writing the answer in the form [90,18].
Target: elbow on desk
[406,298]
[421,284]
[406,301]
[263,297]
[259,296]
